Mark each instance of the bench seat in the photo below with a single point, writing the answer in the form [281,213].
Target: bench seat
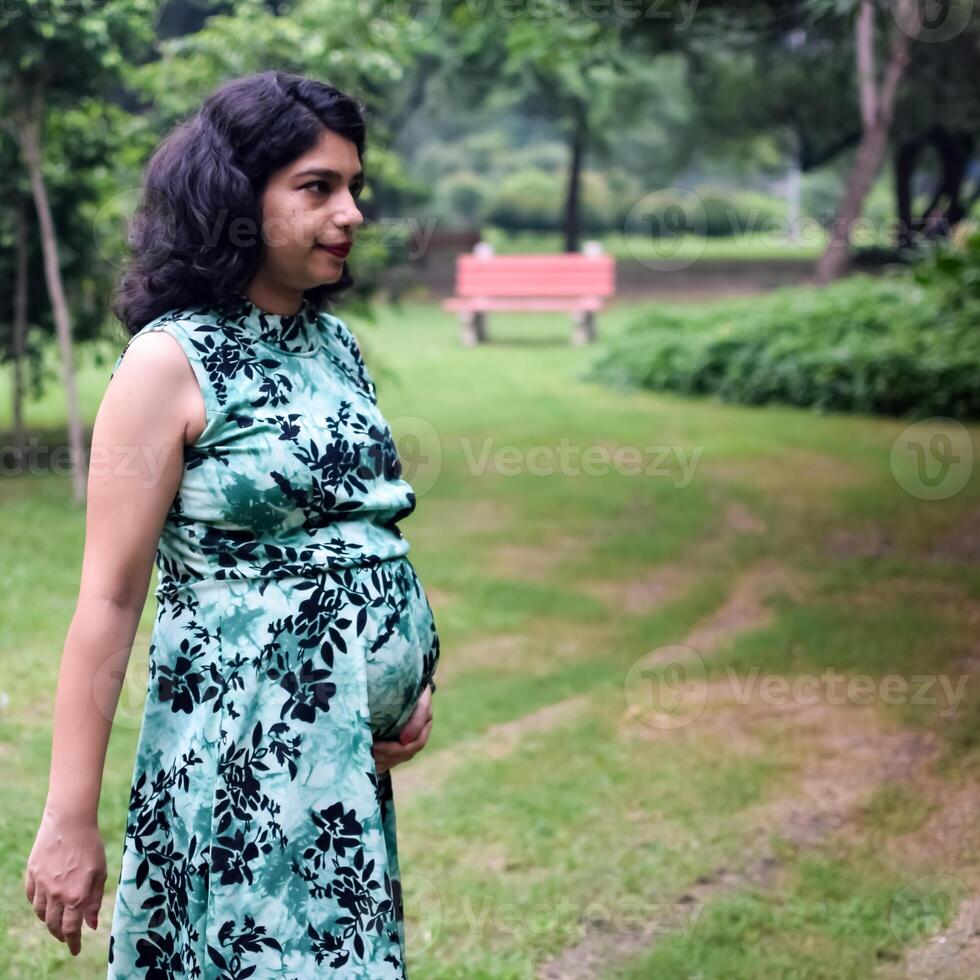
[562,304]
[572,282]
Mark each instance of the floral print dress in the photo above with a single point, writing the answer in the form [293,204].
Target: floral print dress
[291,630]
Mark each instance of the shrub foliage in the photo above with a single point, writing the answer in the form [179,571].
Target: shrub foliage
[899,344]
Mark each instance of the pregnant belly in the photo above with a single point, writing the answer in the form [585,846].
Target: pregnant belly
[394,687]
[402,655]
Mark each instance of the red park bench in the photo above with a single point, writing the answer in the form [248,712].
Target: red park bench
[578,282]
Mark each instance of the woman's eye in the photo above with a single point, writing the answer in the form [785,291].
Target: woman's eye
[355,191]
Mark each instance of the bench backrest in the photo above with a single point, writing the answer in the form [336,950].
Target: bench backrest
[570,274]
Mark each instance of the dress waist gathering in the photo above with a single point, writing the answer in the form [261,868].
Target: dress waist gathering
[171,586]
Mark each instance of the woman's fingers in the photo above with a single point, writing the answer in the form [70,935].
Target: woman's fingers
[411,739]
[65,878]
[410,748]
[71,928]
[424,737]
[423,710]
[415,745]
[52,919]
[386,757]
[389,754]
[91,909]
[71,920]
[405,750]
[64,922]
[39,901]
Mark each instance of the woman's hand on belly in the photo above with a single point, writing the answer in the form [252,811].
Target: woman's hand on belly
[411,739]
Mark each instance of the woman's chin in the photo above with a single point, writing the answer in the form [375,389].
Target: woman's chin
[328,268]
[321,278]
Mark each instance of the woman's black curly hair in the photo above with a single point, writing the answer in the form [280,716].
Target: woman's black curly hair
[207,175]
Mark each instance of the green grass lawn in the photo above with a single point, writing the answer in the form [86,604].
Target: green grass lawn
[745,247]
[553,834]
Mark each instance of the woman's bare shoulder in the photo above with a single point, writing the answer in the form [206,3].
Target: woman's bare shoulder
[154,375]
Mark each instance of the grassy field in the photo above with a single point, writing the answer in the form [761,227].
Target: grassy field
[745,247]
[618,782]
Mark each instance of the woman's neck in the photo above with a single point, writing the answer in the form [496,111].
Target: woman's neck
[282,302]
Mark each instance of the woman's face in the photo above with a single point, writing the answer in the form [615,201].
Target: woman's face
[307,205]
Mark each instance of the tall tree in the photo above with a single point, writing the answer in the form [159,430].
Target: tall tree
[19,326]
[85,166]
[939,111]
[791,80]
[877,101]
[791,77]
[51,55]
[555,61]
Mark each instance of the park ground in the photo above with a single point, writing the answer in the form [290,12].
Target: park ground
[556,826]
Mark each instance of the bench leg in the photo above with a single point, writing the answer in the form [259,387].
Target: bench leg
[474,329]
[584,332]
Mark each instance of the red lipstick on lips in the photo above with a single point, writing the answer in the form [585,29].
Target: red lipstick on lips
[341,250]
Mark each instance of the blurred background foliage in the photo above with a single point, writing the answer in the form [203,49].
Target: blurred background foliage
[532,125]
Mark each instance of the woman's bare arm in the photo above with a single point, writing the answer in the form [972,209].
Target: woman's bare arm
[135,471]
[151,408]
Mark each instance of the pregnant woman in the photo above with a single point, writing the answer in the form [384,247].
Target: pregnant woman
[292,656]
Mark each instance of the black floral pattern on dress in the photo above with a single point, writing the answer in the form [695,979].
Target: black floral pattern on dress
[291,631]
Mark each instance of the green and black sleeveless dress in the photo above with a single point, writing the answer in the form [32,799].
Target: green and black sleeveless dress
[291,630]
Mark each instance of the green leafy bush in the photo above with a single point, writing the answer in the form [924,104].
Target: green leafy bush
[531,199]
[896,345]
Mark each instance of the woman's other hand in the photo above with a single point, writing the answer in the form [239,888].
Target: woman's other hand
[65,876]
[411,739]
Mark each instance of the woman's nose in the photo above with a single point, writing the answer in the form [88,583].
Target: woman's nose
[355,218]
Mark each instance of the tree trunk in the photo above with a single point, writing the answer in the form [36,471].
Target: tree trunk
[877,108]
[954,149]
[29,139]
[20,330]
[573,192]
[794,193]
[906,157]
